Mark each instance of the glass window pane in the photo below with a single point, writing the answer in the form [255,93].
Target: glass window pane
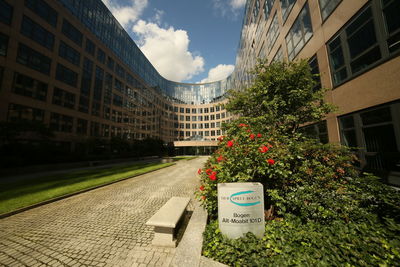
[376,116]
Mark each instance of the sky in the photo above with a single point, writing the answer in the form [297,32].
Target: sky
[185,40]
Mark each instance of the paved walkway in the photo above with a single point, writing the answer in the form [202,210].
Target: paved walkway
[103,227]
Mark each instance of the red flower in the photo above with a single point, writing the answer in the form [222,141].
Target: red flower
[220,158]
[201,188]
[199,171]
[271,161]
[259,135]
[203,197]
[213,176]
[340,171]
[263,149]
[248,130]
[243,125]
[252,136]
[208,171]
[230,143]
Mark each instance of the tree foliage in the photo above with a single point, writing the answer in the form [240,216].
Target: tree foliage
[284,95]
[324,211]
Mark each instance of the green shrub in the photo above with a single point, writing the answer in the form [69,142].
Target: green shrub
[292,242]
[325,211]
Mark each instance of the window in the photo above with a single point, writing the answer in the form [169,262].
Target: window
[6,12]
[187,110]
[256,9]
[120,71]
[63,98]
[313,62]
[98,84]
[187,126]
[101,56]
[43,10]
[181,117]
[66,75]
[67,52]
[3,44]
[318,131]
[181,110]
[193,110]
[24,113]
[105,130]
[118,85]
[33,59]
[278,56]
[391,11]
[37,33]
[27,86]
[300,33]
[110,63]
[205,110]
[212,109]
[187,118]
[286,6]
[61,123]
[268,7]
[194,118]
[218,116]
[83,104]
[94,129]
[90,47]
[273,33]
[374,131]
[81,127]
[217,108]
[72,33]
[117,100]
[327,7]
[86,81]
[363,43]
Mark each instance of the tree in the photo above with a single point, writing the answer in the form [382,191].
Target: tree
[283,97]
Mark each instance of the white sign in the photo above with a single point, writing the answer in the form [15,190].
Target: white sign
[241,209]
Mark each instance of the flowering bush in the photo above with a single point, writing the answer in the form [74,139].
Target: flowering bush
[321,211]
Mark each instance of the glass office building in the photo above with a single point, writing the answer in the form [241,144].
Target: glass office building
[71,65]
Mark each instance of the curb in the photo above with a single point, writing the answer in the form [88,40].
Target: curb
[8,214]
[188,252]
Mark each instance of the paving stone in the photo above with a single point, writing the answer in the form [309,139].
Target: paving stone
[103,227]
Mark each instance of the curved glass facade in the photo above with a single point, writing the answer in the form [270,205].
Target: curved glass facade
[100,21]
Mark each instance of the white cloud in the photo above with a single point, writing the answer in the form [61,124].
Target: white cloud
[168,50]
[227,7]
[237,4]
[218,73]
[126,14]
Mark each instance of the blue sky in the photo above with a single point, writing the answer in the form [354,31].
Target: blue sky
[186,40]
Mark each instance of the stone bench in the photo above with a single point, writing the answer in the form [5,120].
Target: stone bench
[166,219]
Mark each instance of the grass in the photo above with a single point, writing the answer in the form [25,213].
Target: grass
[23,193]
[184,158]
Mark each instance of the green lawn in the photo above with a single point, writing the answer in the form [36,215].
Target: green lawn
[184,158]
[19,194]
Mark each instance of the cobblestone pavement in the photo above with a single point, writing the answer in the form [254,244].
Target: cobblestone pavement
[103,227]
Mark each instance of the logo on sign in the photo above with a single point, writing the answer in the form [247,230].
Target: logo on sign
[243,199]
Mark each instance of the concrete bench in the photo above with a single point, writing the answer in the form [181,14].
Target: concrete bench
[166,219]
